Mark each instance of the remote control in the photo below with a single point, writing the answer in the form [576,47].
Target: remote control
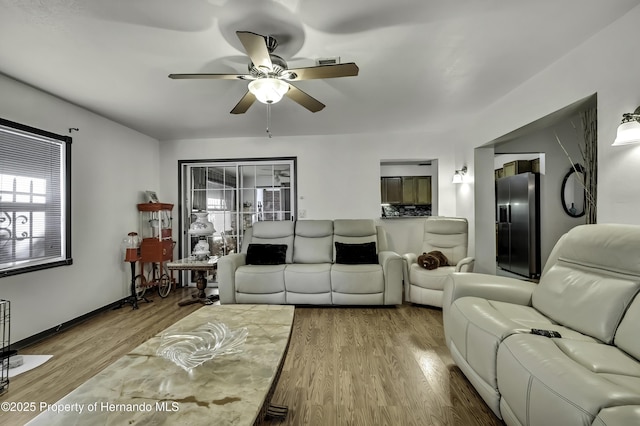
[545,333]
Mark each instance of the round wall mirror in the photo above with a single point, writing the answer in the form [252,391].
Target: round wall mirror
[572,192]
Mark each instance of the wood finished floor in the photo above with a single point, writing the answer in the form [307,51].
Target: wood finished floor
[345,365]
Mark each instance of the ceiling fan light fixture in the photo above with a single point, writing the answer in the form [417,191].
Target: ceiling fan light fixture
[268,90]
[268,75]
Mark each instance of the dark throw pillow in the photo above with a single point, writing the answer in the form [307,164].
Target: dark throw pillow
[432,260]
[266,254]
[428,261]
[353,254]
[440,256]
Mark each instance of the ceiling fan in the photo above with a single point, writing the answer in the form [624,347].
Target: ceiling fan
[269,77]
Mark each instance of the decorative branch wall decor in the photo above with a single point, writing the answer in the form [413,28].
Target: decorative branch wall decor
[590,154]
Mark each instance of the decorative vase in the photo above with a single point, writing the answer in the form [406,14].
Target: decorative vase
[201,226]
[201,249]
[573,209]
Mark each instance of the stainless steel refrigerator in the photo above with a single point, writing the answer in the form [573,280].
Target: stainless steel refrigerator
[518,224]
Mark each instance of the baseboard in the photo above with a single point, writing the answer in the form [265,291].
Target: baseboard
[64,326]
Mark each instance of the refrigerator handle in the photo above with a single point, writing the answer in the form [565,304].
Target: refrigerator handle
[509,213]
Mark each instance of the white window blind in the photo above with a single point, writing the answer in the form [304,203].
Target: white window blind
[34,199]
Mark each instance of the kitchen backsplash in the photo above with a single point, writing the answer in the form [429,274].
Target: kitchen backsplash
[405,210]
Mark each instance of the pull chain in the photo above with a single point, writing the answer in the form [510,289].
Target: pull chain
[269,120]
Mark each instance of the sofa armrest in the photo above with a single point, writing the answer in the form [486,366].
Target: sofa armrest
[492,287]
[227,266]
[409,259]
[392,269]
[466,264]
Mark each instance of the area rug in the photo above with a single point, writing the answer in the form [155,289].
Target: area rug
[30,362]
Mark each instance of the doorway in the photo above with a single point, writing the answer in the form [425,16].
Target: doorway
[563,137]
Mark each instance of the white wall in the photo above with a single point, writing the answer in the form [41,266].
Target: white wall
[338,176]
[482,204]
[111,164]
[600,65]
[406,170]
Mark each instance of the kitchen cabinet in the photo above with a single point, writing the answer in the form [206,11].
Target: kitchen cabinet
[423,190]
[516,167]
[391,190]
[416,190]
[535,165]
[410,190]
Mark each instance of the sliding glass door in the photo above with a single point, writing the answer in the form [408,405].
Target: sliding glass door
[236,194]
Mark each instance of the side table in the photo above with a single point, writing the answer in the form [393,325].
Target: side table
[201,267]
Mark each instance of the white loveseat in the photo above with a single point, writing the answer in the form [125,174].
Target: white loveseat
[310,273]
[588,293]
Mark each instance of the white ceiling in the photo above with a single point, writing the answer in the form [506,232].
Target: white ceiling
[423,63]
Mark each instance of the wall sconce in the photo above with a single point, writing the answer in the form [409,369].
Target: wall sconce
[458,176]
[629,129]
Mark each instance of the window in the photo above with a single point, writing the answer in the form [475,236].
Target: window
[35,226]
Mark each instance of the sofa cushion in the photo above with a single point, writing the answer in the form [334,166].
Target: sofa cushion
[260,279]
[627,337]
[354,228]
[624,415]
[600,358]
[308,278]
[544,383]
[610,247]
[266,254]
[354,231]
[585,299]
[358,279]
[448,235]
[274,232]
[592,264]
[355,254]
[433,279]
[313,241]
[478,326]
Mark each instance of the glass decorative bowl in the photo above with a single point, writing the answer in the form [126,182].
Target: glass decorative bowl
[189,349]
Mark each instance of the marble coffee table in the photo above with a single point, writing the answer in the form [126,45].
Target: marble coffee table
[142,388]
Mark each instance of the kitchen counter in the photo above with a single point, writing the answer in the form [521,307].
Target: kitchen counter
[404,217]
[405,210]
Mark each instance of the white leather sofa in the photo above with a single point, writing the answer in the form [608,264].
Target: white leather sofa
[588,292]
[310,273]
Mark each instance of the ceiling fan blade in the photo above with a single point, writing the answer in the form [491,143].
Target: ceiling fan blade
[256,47]
[247,100]
[349,69]
[212,76]
[307,101]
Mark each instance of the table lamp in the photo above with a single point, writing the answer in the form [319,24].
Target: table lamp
[201,228]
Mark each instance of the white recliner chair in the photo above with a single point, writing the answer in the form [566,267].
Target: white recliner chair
[448,235]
